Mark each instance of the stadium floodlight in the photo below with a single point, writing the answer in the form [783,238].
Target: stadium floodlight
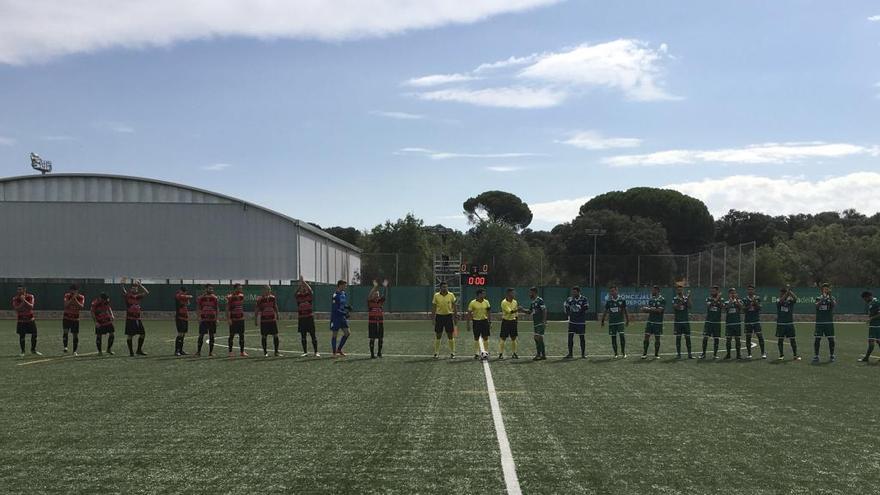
[595,233]
[43,166]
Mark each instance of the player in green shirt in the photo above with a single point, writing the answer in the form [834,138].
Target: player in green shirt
[752,304]
[618,319]
[785,328]
[873,323]
[712,328]
[655,309]
[538,310]
[825,304]
[733,321]
[681,305]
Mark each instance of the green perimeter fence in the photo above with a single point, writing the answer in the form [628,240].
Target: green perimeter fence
[415,299]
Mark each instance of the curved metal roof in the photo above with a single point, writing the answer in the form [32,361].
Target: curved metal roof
[109,188]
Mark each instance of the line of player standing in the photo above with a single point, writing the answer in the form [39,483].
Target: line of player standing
[732,313]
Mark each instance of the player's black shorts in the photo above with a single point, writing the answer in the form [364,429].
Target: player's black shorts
[444,323]
[26,327]
[182,325]
[508,329]
[306,325]
[71,326]
[376,330]
[236,327]
[268,328]
[577,328]
[753,327]
[207,327]
[134,327]
[105,329]
[480,328]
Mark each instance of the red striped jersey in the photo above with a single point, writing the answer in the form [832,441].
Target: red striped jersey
[235,306]
[209,306]
[103,313]
[377,310]
[24,307]
[181,300]
[72,306]
[133,305]
[304,304]
[267,307]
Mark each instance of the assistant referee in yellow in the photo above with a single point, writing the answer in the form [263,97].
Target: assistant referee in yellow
[443,311]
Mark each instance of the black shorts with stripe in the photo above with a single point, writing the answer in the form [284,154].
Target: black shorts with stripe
[376,330]
[134,327]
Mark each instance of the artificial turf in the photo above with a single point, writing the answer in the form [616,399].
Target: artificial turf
[410,424]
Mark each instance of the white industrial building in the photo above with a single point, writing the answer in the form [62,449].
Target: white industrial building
[95,226]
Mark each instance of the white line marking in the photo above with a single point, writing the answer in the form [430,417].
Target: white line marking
[507,464]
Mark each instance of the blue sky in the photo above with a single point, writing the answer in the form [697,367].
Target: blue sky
[350,113]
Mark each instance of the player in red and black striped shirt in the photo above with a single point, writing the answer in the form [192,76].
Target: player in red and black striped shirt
[181,318]
[23,304]
[208,306]
[102,313]
[376,326]
[235,318]
[305,309]
[133,323]
[74,302]
[266,318]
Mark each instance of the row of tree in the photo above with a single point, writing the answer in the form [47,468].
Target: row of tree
[841,248]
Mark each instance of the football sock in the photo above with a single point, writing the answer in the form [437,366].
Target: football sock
[793,343]
[570,343]
[201,342]
[678,344]
[451,345]
[705,344]
[231,338]
[302,339]
[614,344]
[342,342]
[210,344]
[436,345]
[97,343]
[761,342]
[333,343]
[870,349]
[727,343]
[178,344]
[275,342]
[817,345]
[715,345]
[111,338]
[380,345]
[583,340]
[687,343]
[476,347]
[33,343]
[263,343]
[130,345]
[738,344]
[831,345]
[315,343]
[645,344]
[75,342]
[501,346]
[622,338]
[241,342]
[780,343]
[372,347]
[749,343]
[21,343]
[513,345]
[141,343]
[657,345]
[64,339]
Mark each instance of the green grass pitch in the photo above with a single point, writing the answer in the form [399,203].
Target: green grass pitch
[410,424]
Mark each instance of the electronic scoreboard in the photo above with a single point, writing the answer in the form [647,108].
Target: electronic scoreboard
[473,275]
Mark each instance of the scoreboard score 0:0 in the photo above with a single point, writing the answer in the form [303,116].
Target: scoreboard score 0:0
[474,275]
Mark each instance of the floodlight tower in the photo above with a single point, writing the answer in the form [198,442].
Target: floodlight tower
[40,165]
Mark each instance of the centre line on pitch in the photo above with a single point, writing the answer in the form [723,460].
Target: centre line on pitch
[507,464]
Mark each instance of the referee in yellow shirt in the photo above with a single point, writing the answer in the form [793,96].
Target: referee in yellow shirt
[509,310]
[444,314]
[479,310]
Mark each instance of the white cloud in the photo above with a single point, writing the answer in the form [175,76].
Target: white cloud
[438,79]
[785,196]
[874,18]
[559,211]
[216,167]
[768,153]
[37,30]
[630,66]
[398,115]
[117,127]
[445,155]
[592,140]
[507,97]
[7,141]
[541,80]
[56,138]
[505,168]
